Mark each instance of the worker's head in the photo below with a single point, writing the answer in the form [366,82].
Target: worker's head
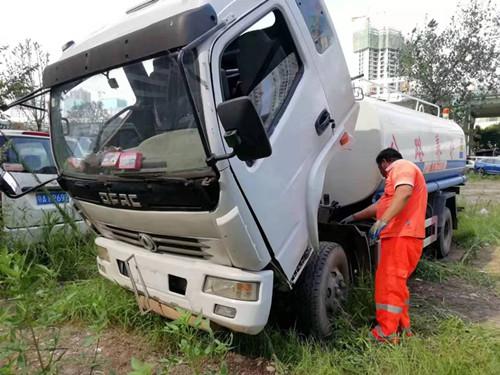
[385,158]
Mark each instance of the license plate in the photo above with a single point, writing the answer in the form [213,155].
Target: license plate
[59,197]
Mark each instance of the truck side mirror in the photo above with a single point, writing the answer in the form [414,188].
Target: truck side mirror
[65,125]
[10,187]
[245,131]
[8,184]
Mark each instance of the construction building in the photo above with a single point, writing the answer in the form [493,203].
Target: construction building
[377,53]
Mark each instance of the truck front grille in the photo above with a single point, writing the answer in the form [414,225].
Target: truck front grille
[164,244]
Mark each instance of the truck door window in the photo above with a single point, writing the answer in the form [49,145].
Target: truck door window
[263,64]
[317,23]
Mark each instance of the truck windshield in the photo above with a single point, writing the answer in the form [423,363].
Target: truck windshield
[134,120]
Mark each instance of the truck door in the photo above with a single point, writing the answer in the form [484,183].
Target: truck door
[263,56]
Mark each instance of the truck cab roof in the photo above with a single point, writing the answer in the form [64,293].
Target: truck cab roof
[146,30]
[143,15]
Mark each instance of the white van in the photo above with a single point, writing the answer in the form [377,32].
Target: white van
[23,219]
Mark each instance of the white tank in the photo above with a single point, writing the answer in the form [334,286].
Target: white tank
[436,145]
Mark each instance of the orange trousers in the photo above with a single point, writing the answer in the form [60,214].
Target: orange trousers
[398,259]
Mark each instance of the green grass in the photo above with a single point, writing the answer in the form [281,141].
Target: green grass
[477,230]
[479,225]
[454,348]
[475,177]
[443,344]
[68,253]
[103,304]
[437,271]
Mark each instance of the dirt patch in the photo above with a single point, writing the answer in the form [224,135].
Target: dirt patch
[117,348]
[488,260]
[487,190]
[83,352]
[240,365]
[455,296]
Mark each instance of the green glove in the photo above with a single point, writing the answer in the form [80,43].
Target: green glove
[376,229]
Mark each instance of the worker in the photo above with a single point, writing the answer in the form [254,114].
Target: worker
[400,226]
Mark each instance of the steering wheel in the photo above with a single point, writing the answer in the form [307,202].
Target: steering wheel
[107,122]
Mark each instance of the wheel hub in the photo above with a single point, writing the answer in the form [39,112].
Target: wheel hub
[336,289]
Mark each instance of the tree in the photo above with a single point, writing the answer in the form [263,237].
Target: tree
[91,112]
[22,70]
[451,65]
[490,137]
[3,84]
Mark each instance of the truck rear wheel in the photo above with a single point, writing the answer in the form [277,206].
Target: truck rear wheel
[445,235]
[322,289]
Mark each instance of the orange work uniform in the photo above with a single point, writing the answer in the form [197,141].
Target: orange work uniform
[400,251]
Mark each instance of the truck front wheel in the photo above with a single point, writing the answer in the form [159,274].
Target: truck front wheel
[322,289]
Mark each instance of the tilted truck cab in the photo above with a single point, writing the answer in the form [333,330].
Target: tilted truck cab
[214,126]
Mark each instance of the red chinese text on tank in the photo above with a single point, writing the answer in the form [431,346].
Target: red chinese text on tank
[419,152]
[438,147]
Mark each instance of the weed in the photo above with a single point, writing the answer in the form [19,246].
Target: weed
[433,270]
[22,313]
[479,226]
[195,348]
[70,253]
[102,304]
[476,177]
[140,368]
[454,348]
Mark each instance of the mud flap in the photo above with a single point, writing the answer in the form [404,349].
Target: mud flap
[355,244]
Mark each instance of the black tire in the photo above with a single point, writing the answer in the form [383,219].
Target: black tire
[482,172]
[445,235]
[322,290]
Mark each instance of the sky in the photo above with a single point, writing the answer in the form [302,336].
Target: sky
[54,22]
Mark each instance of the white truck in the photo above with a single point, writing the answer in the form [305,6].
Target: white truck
[226,145]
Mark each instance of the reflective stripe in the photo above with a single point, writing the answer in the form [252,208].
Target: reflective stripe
[390,308]
[381,333]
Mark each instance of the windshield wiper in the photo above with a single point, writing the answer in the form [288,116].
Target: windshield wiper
[161,176]
[144,174]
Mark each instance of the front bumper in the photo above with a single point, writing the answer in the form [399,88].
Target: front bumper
[250,318]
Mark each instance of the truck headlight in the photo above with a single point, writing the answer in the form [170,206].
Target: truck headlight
[102,253]
[241,290]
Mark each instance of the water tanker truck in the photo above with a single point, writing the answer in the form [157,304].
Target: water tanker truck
[220,143]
